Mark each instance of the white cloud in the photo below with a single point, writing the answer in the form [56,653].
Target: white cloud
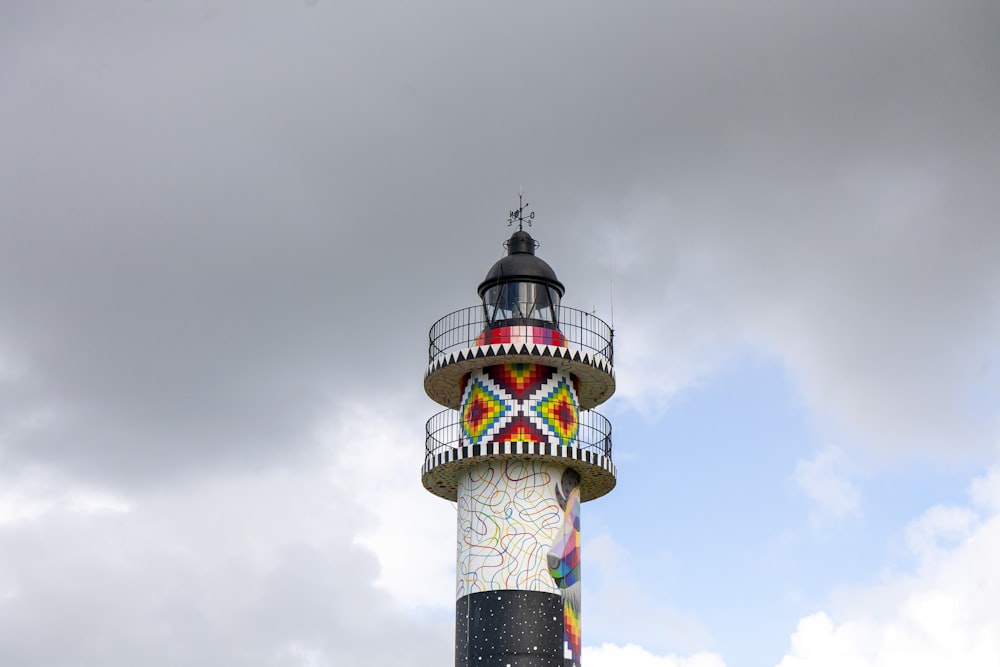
[631,655]
[376,461]
[824,480]
[255,568]
[985,490]
[28,496]
[939,530]
[16,506]
[946,613]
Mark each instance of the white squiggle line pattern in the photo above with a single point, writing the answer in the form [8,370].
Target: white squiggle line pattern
[508,517]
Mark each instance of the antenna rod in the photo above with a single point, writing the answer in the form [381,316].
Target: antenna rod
[611,277]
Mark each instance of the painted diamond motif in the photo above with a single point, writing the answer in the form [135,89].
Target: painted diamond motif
[560,413]
[481,411]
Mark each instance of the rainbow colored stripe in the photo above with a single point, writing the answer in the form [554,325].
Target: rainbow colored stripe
[571,623]
[522,335]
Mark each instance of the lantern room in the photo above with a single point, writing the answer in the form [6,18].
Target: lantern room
[521,289]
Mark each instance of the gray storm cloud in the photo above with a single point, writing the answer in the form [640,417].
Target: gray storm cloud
[221,218]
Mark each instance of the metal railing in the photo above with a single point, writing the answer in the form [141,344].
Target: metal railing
[444,432]
[460,329]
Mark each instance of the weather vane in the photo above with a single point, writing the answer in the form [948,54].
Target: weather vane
[519,216]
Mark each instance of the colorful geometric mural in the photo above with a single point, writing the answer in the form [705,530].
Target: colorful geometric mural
[564,560]
[519,403]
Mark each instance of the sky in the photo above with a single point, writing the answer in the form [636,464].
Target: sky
[227,226]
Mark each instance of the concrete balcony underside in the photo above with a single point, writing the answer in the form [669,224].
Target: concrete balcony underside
[443,379]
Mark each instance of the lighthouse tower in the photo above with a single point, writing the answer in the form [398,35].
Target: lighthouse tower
[518,448]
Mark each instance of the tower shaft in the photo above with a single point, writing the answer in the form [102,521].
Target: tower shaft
[518,564]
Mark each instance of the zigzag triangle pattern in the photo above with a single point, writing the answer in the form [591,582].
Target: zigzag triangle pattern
[596,360]
[440,471]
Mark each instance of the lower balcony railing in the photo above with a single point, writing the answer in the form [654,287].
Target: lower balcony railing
[444,432]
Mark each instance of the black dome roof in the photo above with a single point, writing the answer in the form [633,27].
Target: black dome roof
[521,264]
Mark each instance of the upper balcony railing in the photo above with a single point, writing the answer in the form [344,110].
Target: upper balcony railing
[460,329]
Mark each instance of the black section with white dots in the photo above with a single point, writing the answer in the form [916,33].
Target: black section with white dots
[509,628]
